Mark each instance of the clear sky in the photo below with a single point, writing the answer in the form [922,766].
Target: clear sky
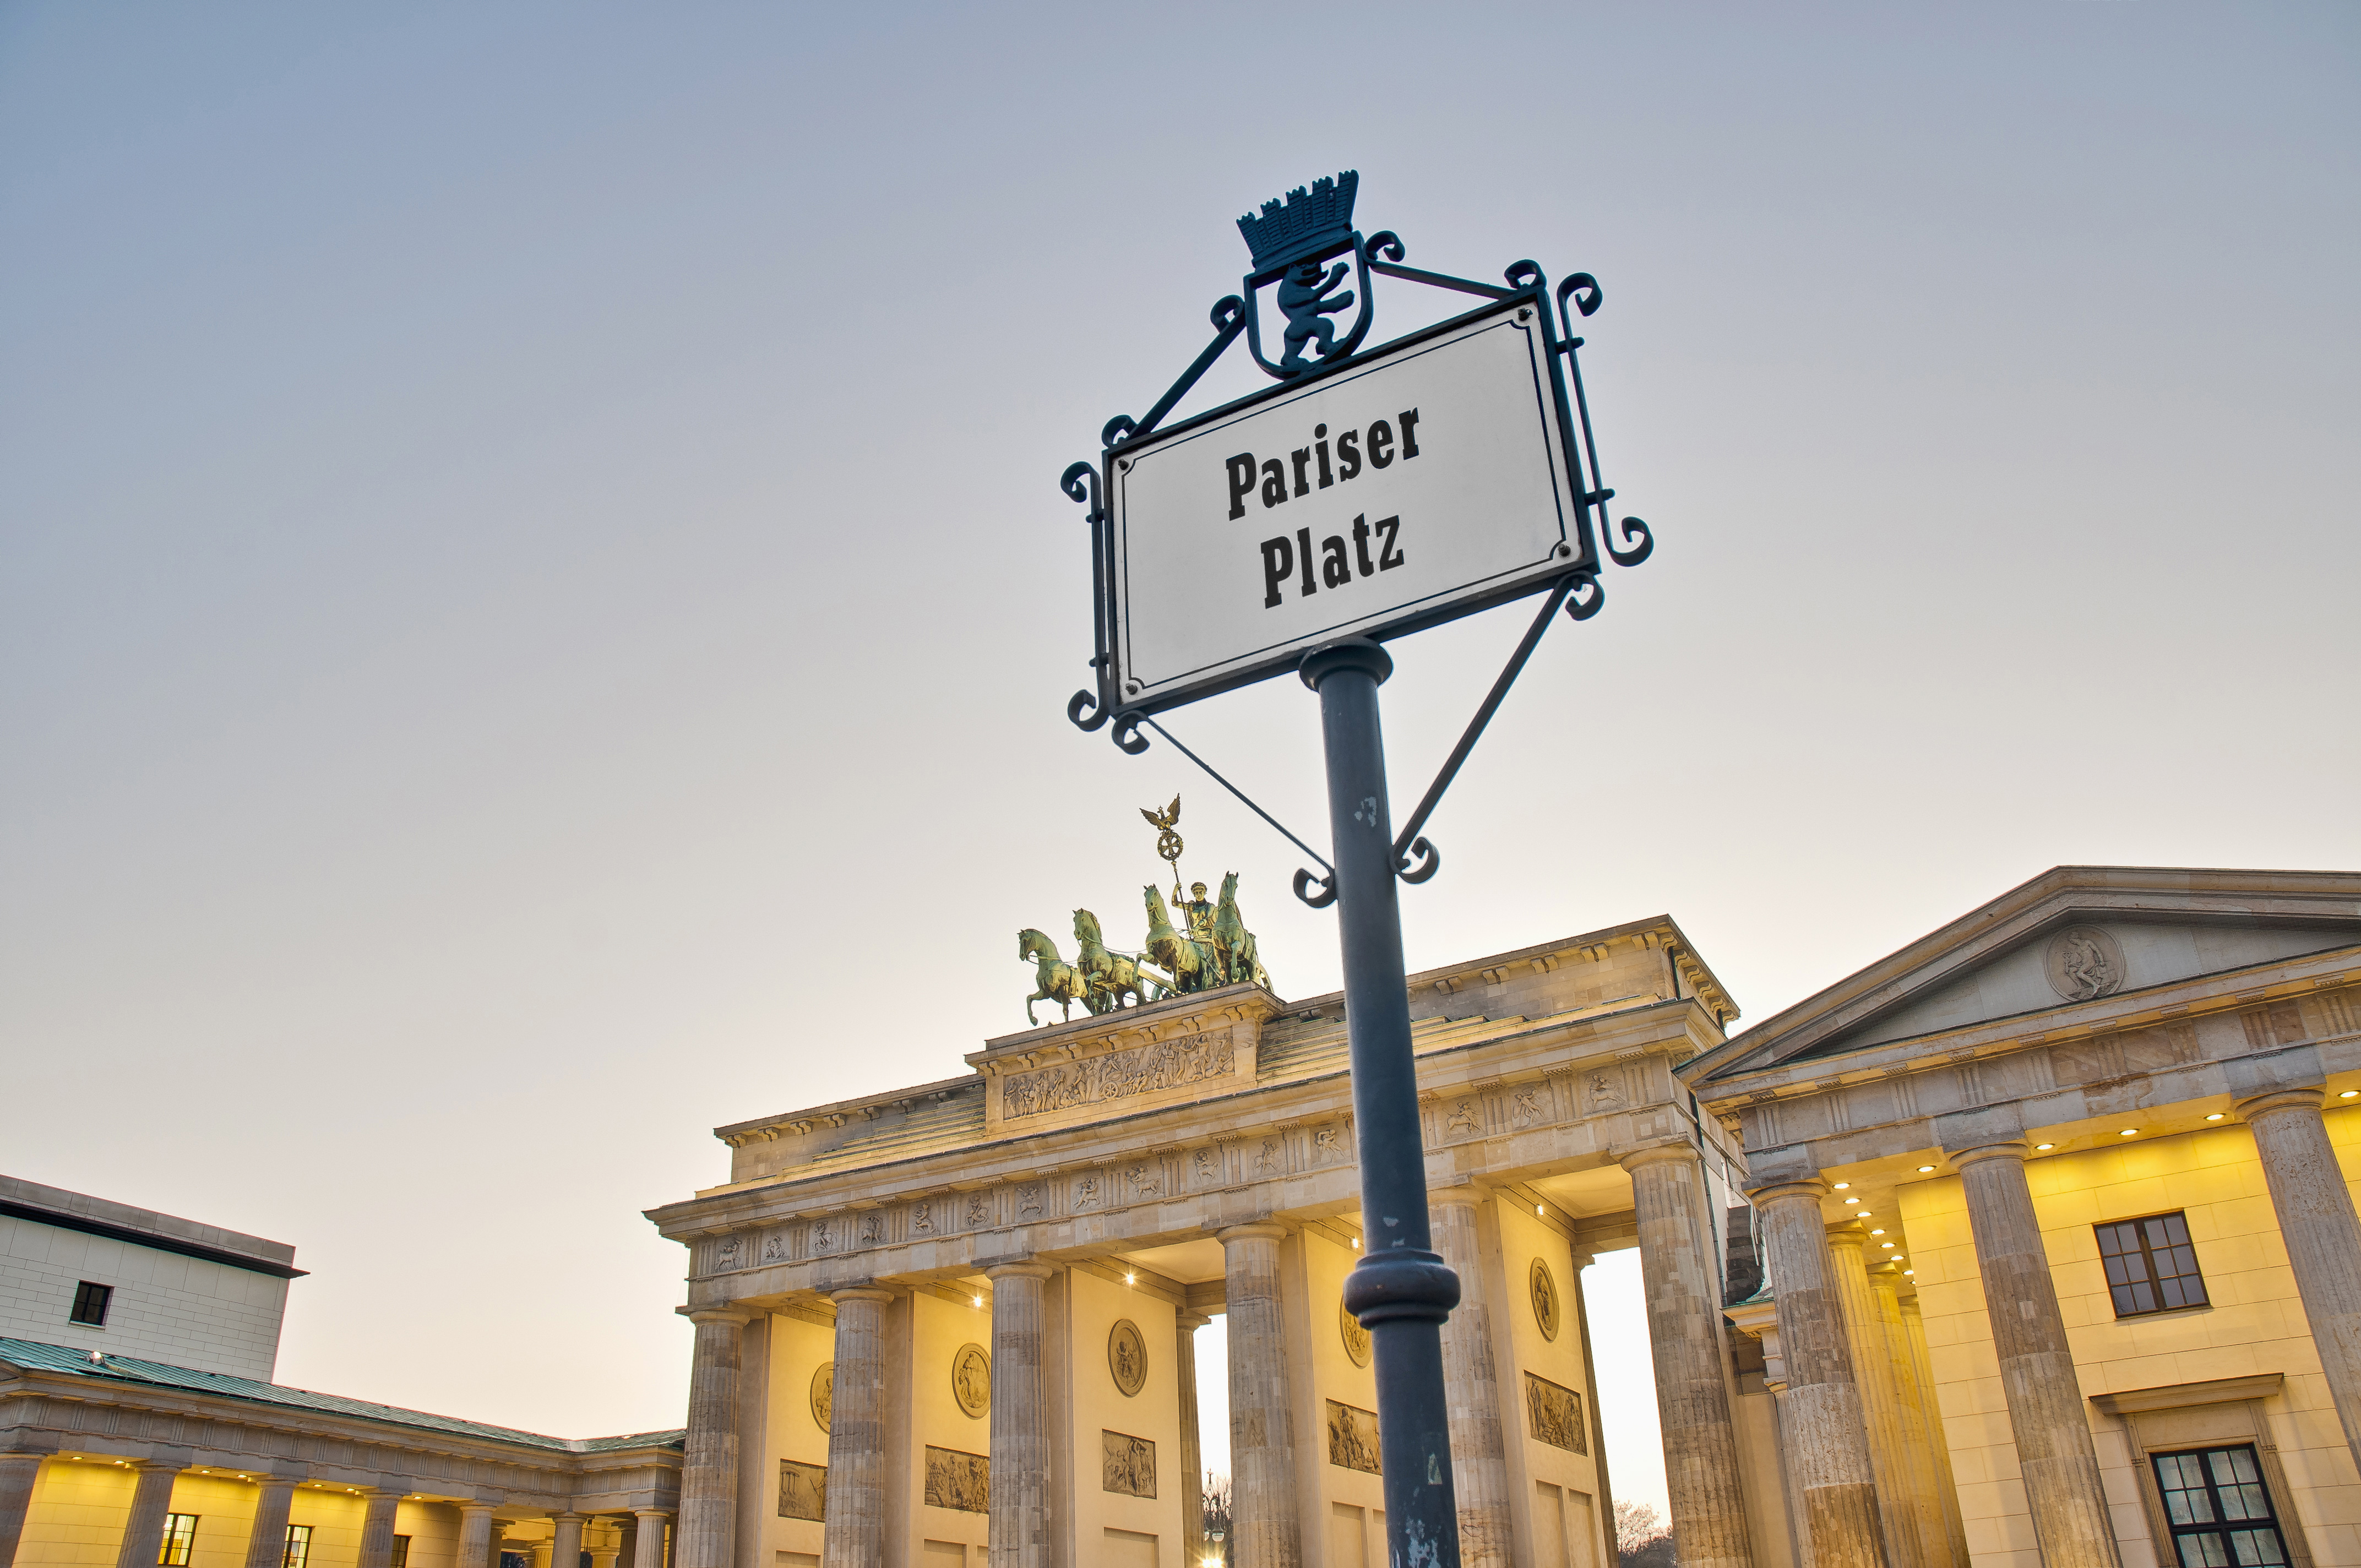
[534,610]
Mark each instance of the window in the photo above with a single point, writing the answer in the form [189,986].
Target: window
[2220,1512]
[91,1302]
[180,1534]
[2151,1267]
[298,1546]
[400,1558]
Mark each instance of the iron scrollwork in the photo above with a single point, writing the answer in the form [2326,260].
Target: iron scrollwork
[1307,245]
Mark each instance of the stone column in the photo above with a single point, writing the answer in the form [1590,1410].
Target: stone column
[1822,1432]
[377,1527]
[1263,1509]
[2321,1233]
[565,1546]
[2054,1452]
[627,1541]
[1946,1488]
[1881,1402]
[474,1549]
[855,1527]
[1479,1464]
[17,1474]
[648,1538]
[709,1469]
[266,1541]
[1192,1454]
[1020,1418]
[152,1499]
[1683,1295]
[1922,1438]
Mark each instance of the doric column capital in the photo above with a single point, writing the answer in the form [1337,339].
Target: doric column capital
[1847,1233]
[1460,1194]
[2006,1148]
[1026,1270]
[860,1293]
[1659,1153]
[2276,1100]
[659,1515]
[1189,1322]
[1260,1231]
[1809,1187]
[701,1316]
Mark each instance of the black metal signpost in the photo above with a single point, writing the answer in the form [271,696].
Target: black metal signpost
[1474,433]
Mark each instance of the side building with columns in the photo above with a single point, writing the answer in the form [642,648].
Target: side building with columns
[2057,1207]
[954,1323]
[139,1427]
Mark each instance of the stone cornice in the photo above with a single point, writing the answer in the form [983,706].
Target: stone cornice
[2053,898]
[53,1413]
[2224,991]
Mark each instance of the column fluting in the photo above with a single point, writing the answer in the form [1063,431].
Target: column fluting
[708,1471]
[1822,1430]
[1881,1402]
[2054,1452]
[266,1540]
[1471,1381]
[565,1544]
[377,1529]
[855,1530]
[1020,1418]
[2322,1234]
[1262,1431]
[1683,1299]
[17,1474]
[1922,1437]
[474,1549]
[648,1540]
[143,1531]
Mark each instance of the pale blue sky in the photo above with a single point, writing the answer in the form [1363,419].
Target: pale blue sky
[535,611]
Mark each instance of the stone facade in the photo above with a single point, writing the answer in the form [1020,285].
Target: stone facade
[1091,1191]
[1951,1151]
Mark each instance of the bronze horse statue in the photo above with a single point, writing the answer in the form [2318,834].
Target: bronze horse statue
[1191,963]
[1107,977]
[1054,979]
[1234,944]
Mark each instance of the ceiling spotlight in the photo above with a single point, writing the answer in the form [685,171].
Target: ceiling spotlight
[2347,1093]
[1539,1210]
[1130,1278]
[1842,1185]
[1887,1244]
[1852,1199]
[1925,1168]
[1910,1272]
[2044,1145]
[2128,1133]
[1878,1231]
[2213,1115]
[1357,1242]
[1863,1214]
[979,1300]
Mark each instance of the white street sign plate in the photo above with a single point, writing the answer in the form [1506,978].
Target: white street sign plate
[1423,483]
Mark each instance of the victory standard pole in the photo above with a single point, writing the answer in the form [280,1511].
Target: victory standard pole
[1401,1290]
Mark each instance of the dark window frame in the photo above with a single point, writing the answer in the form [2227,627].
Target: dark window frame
[89,1296]
[2147,1265]
[180,1537]
[399,1557]
[2220,1522]
[299,1546]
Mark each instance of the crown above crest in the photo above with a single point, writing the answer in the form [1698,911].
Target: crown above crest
[1310,221]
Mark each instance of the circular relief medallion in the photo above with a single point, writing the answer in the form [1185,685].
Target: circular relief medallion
[2084,962]
[823,1394]
[1544,1290]
[1357,1338]
[972,1379]
[1128,1357]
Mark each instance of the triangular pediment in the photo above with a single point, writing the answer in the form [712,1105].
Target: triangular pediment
[2068,938]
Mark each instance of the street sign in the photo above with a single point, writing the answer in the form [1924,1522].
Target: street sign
[1370,493]
[1417,483]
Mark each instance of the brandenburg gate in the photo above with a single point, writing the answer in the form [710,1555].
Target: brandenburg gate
[959,1318]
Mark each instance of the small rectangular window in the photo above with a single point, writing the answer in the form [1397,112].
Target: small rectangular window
[298,1546]
[2219,1508]
[91,1303]
[400,1558]
[179,1535]
[2151,1265]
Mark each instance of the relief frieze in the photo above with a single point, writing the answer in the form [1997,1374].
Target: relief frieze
[1142,1069]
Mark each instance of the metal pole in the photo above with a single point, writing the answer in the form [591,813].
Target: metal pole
[1401,1290]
